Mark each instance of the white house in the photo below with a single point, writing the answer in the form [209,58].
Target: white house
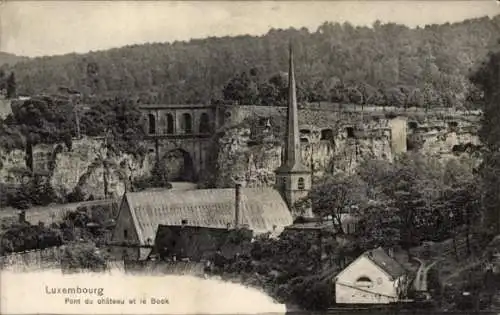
[373,278]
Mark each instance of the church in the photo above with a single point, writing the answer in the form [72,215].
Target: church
[260,210]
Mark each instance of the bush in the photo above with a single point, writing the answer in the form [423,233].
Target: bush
[83,256]
[22,237]
[311,293]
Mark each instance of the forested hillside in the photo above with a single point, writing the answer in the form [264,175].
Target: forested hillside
[10,59]
[386,64]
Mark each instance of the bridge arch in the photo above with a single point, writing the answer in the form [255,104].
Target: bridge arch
[179,165]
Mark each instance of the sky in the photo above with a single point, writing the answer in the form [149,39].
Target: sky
[37,28]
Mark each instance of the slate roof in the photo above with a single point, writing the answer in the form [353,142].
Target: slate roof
[261,209]
[386,262]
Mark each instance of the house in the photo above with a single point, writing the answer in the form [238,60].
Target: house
[262,210]
[199,243]
[373,278]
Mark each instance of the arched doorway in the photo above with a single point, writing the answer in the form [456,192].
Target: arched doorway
[179,166]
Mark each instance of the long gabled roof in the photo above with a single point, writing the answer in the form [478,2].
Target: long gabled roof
[262,209]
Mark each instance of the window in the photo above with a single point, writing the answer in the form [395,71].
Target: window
[125,234]
[327,134]
[204,123]
[187,126]
[350,132]
[364,282]
[152,124]
[412,124]
[301,183]
[169,120]
[304,140]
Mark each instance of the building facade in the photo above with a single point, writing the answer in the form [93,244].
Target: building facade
[373,278]
[199,243]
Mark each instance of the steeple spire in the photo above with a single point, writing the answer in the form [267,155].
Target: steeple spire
[293,179]
[292,158]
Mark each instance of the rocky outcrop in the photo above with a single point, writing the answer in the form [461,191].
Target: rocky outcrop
[87,167]
[338,141]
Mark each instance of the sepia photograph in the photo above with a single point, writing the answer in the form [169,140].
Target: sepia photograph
[249,157]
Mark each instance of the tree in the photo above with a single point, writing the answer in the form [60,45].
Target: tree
[416,195]
[120,120]
[35,190]
[487,79]
[379,225]
[336,195]
[11,86]
[241,89]
[43,120]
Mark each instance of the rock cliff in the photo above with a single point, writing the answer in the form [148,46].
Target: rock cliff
[87,167]
[334,140]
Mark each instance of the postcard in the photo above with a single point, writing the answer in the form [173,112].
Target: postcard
[249,157]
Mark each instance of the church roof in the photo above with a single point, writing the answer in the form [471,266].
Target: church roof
[262,209]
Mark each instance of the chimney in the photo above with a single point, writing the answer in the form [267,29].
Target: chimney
[22,216]
[237,205]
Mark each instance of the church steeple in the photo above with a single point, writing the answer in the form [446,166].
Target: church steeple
[292,154]
[292,177]
[292,157]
